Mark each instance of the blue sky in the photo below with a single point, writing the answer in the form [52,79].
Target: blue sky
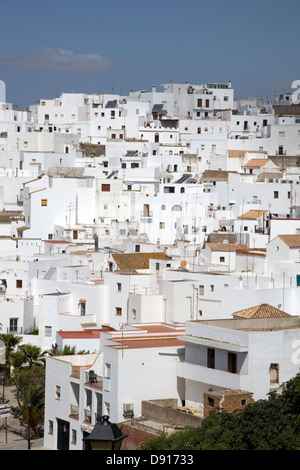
[50,47]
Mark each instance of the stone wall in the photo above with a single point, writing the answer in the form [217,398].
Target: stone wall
[226,400]
[167,412]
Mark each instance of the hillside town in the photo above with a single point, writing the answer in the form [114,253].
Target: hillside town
[158,232]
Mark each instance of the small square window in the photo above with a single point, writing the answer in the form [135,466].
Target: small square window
[57,392]
[211,402]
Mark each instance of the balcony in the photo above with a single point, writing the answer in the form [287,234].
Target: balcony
[213,377]
[87,416]
[146,216]
[74,412]
[93,380]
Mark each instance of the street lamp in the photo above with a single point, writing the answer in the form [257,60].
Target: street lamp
[105,436]
[28,425]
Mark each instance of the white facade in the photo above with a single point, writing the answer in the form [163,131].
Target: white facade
[224,355]
[126,375]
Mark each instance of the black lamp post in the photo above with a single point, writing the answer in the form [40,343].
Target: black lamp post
[28,426]
[105,436]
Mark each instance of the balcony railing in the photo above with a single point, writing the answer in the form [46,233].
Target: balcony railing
[94,380]
[146,214]
[88,416]
[74,412]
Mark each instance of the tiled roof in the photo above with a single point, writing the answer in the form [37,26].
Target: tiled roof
[215,175]
[252,214]
[256,162]
[261,311]
[293,241]
[89,333]
[136,261]
[226,246]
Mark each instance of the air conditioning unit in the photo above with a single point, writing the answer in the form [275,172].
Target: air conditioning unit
[128,410]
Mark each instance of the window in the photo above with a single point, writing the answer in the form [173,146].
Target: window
[82,307]
[169,189]
[276,194]
[74,436]
[211,402]
[210,358]
[212,288]
[201,290]
[274,374]
[48,331]
[119,286]
[13,325]
[232,363]
[107,407]
[134,314]
[222,259]
[57,392]
[118,311]
[44,202]
[19,283]
[50,427]
[105,188]
[161,225]
[199,103]
[107,370]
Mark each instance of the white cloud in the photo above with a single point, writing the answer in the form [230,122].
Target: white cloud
[57,60]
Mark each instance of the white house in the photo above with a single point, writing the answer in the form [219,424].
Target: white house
[134,364]
[256,352]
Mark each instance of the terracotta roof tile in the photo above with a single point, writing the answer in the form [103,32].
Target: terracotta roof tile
[261,311]
[136,261]
[252,214]
[256,162]
[293,241]
[226,246]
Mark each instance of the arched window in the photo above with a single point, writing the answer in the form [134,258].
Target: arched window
[163,207]
[177,207]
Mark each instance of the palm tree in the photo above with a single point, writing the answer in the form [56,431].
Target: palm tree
[67,351]
[10,341]
[31,404]
[29,354]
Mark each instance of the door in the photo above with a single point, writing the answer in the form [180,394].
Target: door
[298,280]
[63,435]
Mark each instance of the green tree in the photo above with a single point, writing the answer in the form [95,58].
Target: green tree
[271,424]
[31,404]
[66,351]
[28,354]
[10,341]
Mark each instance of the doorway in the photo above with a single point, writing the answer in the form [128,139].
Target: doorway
[63,435]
